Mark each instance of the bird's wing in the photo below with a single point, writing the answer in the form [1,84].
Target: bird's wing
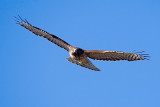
[42,33]
[114,55]
[86,63]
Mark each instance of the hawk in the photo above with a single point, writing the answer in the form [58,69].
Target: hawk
[78,55]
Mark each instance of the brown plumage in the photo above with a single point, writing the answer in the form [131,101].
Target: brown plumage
[78,55]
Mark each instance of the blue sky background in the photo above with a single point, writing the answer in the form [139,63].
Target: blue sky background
[35,72]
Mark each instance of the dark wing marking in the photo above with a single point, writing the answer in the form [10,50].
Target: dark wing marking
[114,55]
[86,64]
[40,32]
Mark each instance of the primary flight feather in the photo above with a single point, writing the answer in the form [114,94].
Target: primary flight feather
[80,56]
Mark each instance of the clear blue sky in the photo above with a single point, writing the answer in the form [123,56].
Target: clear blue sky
[35,73]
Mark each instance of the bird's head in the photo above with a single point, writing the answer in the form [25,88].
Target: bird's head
[78,52]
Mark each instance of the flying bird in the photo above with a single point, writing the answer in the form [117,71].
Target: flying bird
[78,55]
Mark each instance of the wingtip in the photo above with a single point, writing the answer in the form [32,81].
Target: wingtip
[19,20]
[143,55]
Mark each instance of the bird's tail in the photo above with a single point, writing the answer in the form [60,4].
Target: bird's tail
[84,63]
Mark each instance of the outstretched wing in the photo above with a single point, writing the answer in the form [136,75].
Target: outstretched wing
[114,55]
[42,33]
[85,63]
